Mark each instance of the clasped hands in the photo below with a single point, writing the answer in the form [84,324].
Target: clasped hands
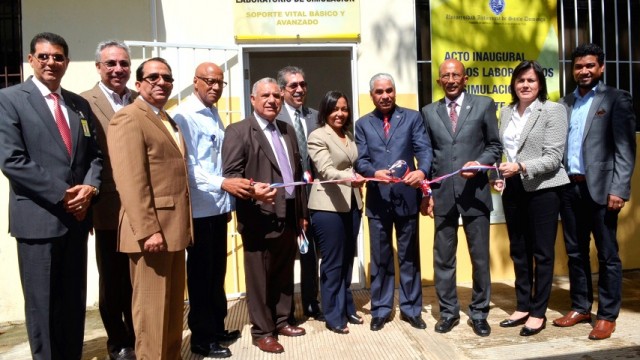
[77,200]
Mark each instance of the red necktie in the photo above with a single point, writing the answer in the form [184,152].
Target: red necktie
[386,126]
[453,115]
[63,127]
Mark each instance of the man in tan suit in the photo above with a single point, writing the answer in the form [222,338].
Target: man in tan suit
[148,161]
[109,95]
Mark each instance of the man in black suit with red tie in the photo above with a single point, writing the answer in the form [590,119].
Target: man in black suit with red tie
[49,153]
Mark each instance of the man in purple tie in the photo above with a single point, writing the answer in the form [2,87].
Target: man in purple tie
[266,150]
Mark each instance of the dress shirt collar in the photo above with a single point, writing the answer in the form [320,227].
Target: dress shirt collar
[155,109]
[457,100]
[292,111]
[115,98]
[264,123]
[44,89]
[591,92]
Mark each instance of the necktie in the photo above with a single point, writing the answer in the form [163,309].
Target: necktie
[302,140]
[283,162]
[63,127]
[453,115]
[386,126]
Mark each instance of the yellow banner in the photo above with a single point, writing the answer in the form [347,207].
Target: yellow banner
[491,37]
[300,20]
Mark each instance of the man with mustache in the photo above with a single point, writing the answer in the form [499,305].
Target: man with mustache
[599,158]
[211,204]
[109,95]
[147,153]
[303,119]
[463,129]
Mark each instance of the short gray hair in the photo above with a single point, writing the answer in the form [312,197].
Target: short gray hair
[282,82]
[381,76]
[266,80]
[109,43]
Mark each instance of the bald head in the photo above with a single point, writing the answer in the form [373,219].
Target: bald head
[452,79]
[208,82]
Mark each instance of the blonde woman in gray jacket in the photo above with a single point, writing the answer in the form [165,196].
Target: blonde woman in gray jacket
[533,131]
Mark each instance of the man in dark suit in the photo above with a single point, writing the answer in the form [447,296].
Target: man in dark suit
[266,150]
[599,158]
[304,121]
[147,154]
[49,154]
[109,95]
[463,129]
[385,135]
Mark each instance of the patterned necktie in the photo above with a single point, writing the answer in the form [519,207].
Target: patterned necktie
[302,140]
[453,115]
[63,127]
[283,162]
[386,126]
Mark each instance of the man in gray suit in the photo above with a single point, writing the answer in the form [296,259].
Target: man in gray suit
[109,95]
[304,121]
[463,129]
[49,154]
[599,157]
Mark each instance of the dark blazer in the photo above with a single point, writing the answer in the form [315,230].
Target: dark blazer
[407,139]
[476,139]
[107,205]
[608,143]
[310,117]
[35,160]
[246,153]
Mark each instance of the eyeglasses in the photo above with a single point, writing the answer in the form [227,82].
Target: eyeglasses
[211,82]
[110,64]
[155,77]
[43,58]
[295,85]
[445,77]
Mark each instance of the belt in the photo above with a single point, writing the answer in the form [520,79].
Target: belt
[577,178]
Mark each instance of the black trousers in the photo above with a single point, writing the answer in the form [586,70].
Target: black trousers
[53,273]
[114,291]
[581,217]
[206,271]
[532,223]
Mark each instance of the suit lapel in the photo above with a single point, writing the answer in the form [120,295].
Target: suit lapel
[155,120]
[535,115]
[443,113]
[595,106]
[261,138]
[74,122]
[102,103]
[337,142]
[465,110]
[505,118]
[39,105]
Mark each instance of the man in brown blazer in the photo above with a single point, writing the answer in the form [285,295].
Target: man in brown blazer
[109,95]
[265,149]
[148,161]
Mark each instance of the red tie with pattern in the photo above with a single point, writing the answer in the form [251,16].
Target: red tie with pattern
[453,115]
[63,127]
[386,126]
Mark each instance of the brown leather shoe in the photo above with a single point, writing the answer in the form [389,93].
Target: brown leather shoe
[602,330]
[290,330]
[268,344]
[573,317]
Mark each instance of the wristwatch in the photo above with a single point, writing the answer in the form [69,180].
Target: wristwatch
[96,191]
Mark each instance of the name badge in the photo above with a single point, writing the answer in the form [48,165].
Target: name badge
[85,127]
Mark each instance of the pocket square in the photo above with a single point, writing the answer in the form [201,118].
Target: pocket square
[601,112]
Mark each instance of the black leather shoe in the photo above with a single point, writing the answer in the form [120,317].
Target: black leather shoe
[313,311]
[415,321]
[355,319]
[339,330]
[527,331]
[513,323]
[480,327]
[377,323]
[125,353]
[228,336]
[444,325]
[213,350]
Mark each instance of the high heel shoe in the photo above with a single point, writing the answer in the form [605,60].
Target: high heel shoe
[527,331]
[513,323]
[355,319]
[339,330]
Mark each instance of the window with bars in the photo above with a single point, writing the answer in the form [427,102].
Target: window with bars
[10,43]
[608,23]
